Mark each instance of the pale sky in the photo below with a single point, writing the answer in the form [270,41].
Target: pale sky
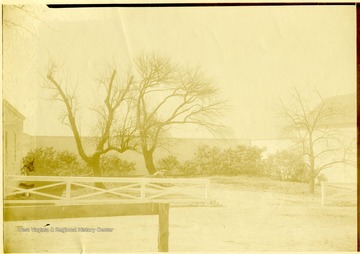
[255,55]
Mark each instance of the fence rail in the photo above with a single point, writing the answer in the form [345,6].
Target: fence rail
[87,190]
[343,191]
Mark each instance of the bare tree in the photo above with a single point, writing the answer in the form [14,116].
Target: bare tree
[115,129]
[320,141]
[168,95]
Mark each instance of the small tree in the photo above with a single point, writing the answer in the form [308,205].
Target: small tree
[312,131]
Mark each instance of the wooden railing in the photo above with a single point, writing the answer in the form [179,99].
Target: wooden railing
[88,190]
[339,190]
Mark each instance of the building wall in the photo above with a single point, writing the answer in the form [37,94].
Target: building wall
[13,141]
[272,145]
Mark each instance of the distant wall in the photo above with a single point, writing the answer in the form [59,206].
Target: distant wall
[272,145]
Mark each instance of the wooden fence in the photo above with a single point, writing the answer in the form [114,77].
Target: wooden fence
[88,190]
[50,197]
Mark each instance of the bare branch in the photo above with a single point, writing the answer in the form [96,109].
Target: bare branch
[108,138]
[66,99]
[168,95]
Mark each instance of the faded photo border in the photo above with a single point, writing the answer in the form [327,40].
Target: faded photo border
[158,226]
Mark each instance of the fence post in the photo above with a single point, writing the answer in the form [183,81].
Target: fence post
[163,238]
[322,193]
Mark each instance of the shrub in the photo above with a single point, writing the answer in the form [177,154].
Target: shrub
[232,161]
[169,165]
[67,157]
[208,160]
[48,162]
[243,160]
[286,165]
[113,166]
[189,168]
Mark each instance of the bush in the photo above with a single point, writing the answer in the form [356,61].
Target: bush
[232,161]
[113,166]
[189,168]
[208,160]
[243,160]
[48,162]
[286,165]
[169,165]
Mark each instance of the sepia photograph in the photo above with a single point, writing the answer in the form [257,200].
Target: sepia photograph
[173,127]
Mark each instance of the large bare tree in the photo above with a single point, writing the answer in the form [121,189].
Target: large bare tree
[114,128]
[169,95]
[321,142]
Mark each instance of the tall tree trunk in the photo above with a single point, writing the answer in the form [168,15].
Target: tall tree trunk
[312,176]
[149,161]
[95,165]
[96,170]
[312,165]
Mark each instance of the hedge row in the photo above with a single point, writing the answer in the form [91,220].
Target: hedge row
[208,161]
[48,162]
[241,160]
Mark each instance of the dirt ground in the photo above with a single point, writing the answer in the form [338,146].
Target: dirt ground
[247,214]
